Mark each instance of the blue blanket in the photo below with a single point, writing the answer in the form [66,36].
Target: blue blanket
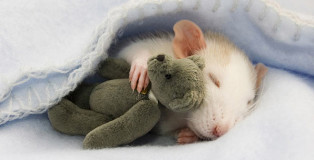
[48,47]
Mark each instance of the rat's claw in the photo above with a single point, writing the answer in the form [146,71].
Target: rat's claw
[131,72]
[135,77]
[141,82]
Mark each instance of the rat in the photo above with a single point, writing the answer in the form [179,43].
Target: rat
[231,80]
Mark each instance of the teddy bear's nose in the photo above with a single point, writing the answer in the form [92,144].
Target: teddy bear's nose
[160,57]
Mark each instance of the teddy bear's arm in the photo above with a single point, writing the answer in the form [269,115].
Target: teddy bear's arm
[136,122]
[114,68]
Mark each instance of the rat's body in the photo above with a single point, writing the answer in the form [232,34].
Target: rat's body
[230,79]
[150,45]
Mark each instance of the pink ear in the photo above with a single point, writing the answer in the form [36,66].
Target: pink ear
[261,71]
[188,38]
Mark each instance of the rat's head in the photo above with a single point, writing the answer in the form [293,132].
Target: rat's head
[230,97]
[177,83]
[231,81]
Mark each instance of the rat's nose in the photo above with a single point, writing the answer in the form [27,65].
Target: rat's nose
[160,57]
[220,130]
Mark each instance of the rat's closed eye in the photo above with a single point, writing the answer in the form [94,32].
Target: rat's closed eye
[251,101]
[214,79]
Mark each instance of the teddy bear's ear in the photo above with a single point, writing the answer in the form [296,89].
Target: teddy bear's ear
[198,60]
[188,38]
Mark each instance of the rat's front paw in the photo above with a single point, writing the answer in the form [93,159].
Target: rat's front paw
[138,76]
[186,136]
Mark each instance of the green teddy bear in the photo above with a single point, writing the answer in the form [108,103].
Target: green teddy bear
[112,114]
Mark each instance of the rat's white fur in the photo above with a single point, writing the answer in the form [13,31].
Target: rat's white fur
[228,103]
[147,46]
[223,106]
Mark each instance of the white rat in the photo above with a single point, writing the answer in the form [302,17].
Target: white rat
[231,80]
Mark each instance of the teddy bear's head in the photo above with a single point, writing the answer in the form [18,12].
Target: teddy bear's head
[178,84]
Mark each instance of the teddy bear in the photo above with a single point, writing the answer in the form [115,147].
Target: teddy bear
[111,114]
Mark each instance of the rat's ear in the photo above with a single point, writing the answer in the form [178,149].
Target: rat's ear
[188,38]
[198,60]
[261,71]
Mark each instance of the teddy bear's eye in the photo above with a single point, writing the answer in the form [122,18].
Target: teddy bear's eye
[168,76]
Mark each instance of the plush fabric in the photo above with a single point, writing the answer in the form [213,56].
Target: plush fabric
[280,128]
[47,48]
[114,114]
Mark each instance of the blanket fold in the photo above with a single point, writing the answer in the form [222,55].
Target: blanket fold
[48,47]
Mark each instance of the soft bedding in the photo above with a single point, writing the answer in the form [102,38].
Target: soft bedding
[280,128]
[48,47]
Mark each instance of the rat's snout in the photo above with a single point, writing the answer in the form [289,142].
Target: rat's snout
[220,130]
[160,57]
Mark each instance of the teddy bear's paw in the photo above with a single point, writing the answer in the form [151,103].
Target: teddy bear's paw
[58,115]
[61,116]
[95,140]
[62,109]
[91,141]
